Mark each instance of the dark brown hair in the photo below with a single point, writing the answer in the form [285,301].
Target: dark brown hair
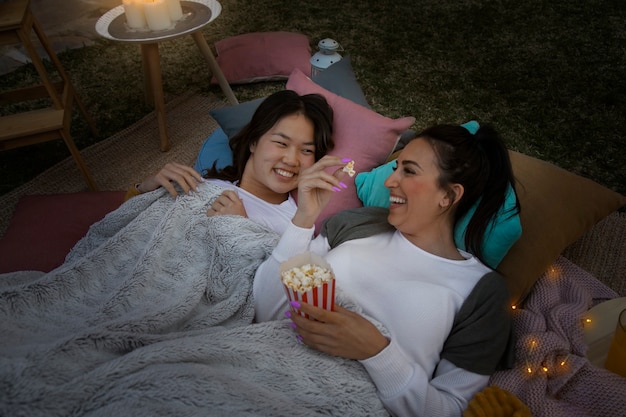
[276,106]
[480,163]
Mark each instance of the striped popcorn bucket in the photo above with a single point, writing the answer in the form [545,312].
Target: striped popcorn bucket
[322,296]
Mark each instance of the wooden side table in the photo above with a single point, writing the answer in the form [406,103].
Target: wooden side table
[198,14]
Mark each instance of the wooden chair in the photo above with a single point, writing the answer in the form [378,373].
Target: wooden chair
[41,125]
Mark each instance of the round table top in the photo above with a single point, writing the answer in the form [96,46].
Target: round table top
[196,15]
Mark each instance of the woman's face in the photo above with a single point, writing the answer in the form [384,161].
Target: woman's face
[279,156]
[416,199]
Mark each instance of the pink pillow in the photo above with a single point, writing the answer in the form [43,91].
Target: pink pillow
[44,228]
[360,133]
[262,56]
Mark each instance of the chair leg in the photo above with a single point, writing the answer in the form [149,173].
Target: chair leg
[69,142]
[24,34]
[43,39]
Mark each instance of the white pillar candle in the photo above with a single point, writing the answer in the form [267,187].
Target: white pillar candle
[133,10]
[157,15]
[176,12]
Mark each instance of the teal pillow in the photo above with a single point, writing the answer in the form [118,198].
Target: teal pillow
[214,150]
[370,185]
[504,229]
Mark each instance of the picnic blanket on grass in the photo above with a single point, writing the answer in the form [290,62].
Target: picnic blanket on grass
[152,314]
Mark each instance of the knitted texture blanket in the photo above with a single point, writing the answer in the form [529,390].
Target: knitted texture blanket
[552,376]
[152,314]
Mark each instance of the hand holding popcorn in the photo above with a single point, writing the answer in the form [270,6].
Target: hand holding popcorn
[308,278]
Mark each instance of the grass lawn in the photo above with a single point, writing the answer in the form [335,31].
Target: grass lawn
[549,75]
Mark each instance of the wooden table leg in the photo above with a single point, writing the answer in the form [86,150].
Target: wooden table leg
[147,88]
[154,91]
[208,55]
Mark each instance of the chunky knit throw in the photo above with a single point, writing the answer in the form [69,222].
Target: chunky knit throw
[552,376]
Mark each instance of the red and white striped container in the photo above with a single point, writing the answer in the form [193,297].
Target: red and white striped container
[322,296]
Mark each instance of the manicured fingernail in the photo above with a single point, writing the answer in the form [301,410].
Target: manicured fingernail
[294,304]
[343,185]
[299,338]
[336,189]
[293,325]
[346,160]
[288,314]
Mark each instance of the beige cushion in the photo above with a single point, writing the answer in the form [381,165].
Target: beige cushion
[557,208]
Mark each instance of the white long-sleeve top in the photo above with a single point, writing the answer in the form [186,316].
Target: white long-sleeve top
[413,293]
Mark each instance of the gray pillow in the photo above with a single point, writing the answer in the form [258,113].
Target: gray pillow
[232,118]
[339,78]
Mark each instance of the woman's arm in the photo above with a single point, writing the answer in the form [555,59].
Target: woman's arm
[406,389]
[403,385]
[315,189]
[172,173]
[270,300]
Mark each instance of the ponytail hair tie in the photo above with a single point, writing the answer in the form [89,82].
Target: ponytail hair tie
[472,126]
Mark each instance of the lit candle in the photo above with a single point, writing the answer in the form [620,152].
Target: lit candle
[134,14]
[176,12]
[157,15]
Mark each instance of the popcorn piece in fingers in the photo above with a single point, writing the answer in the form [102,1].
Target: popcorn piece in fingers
[349,168]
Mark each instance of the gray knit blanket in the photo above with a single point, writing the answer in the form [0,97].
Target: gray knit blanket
[152,315]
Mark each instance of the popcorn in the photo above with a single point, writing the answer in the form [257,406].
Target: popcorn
[308,278]
[349,168]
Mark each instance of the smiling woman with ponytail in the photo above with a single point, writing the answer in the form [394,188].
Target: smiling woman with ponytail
[445,313]
[475,157]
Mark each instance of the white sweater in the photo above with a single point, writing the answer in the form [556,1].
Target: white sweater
[413,293]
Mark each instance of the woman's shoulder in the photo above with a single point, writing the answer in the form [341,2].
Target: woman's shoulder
[356,223]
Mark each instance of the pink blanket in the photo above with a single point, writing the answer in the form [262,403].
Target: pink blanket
[552,374]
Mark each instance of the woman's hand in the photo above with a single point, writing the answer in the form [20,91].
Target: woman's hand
[227,203]
[340,332]
[316,187]
[186,177]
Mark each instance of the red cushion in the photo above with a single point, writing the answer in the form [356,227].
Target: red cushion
[45,227]
[262,56]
